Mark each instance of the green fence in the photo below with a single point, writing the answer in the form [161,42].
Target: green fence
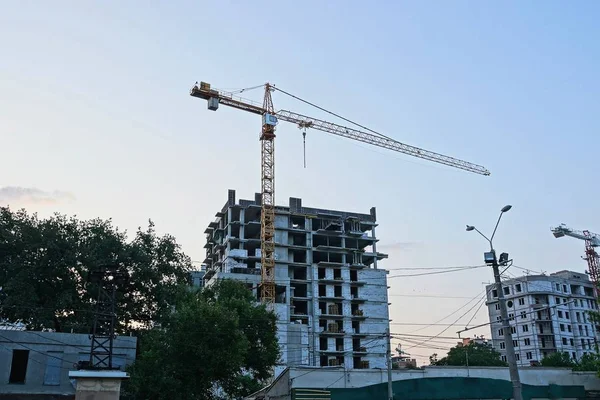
[444,389]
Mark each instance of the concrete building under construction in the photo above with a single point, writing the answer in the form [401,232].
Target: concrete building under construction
[331,300]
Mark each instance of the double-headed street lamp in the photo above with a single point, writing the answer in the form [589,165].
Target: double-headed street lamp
[490,259]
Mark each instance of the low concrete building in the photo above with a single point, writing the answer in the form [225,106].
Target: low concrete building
[430,383]
[36,365]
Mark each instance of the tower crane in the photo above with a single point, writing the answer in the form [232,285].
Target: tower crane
[592,240]
[270,118]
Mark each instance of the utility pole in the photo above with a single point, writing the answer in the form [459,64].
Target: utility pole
[389,365]
[490,259]
[510,349]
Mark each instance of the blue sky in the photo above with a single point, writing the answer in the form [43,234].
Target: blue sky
[94,108]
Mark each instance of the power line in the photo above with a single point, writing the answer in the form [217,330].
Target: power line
[451,314]
[448,327]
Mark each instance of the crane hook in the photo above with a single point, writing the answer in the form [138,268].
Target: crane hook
[304,145]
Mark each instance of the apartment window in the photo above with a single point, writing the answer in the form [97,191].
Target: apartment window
[524,314]
[569,328]
[513,329]
[498,318]
[511,317]
[527,342]
[580,330]
[586,331]
[494,293]
[506,290]
[528,355]
[497,306]
[518,287]
[515,343]
[558,287]
[501,332]
[564,300]
[589,343]
[560,314]
[525,328]
[564,341]
[571,342]
[583,343]
[574,355]
[562,327]
[578,317]
[557,300]
[567,315]
[517,356]
[18,367]
[53,367]
[522,301]
[502,345]
[504,358]
[565,289]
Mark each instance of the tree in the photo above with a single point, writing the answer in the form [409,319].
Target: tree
[481,355]
[44,266]
[219,337]
[589,362]
[558,359]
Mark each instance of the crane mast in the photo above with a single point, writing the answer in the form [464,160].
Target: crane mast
[270,118]
[592,240]
[267,183]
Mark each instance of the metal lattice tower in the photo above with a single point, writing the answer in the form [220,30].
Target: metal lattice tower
[591,256]
[267,217]
[103,330]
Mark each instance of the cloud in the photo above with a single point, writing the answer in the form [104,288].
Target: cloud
[20,196]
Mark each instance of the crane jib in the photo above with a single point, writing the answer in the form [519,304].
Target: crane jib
[215,97]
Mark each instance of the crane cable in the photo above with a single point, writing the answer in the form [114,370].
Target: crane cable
[334,114]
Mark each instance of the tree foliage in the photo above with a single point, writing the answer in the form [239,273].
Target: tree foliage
[475,354]
[218,337]
[44,266]
[558,359]
[589,361]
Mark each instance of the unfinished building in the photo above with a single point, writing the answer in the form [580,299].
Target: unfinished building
[331,300]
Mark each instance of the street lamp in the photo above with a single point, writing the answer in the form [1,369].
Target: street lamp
[490,259]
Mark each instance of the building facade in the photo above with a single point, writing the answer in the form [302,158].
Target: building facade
[547,313]
[331,297]
[36,365]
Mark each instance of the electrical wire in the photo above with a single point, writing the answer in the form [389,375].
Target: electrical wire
[448,327]
[449,315]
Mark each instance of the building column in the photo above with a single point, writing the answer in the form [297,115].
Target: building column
[374,247]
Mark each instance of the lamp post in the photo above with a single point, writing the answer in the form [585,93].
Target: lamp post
[490,259]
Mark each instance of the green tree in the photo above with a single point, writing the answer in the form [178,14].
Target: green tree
[558,359]
[44,266]
[589,362]
[219,337]
[481,355]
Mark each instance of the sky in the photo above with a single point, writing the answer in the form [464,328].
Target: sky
[96,120]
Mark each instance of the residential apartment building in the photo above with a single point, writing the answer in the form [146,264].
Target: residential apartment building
[331,295]
[547,313]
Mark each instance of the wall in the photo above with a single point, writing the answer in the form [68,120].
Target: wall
[443,383]
[51,356]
